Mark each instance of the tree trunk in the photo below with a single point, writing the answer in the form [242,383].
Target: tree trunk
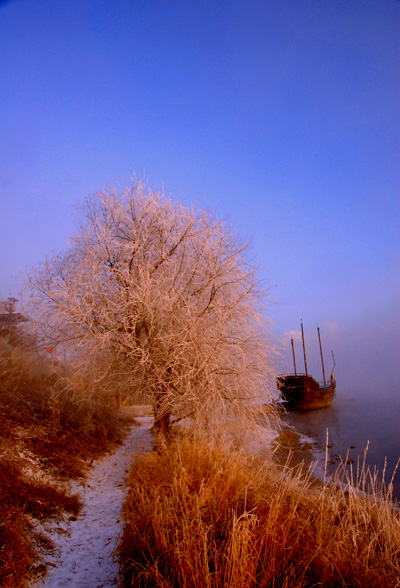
[162,416]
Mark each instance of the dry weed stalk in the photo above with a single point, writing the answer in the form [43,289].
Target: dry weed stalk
[205,515]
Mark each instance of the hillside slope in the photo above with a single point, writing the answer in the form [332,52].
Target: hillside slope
[50,432]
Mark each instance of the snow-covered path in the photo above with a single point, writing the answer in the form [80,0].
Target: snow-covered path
[83,548]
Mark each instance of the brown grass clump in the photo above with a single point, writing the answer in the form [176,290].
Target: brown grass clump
[53,416]
[203,515]
[50,431]
[23,499]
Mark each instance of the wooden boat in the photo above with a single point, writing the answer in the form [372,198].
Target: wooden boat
[302,391]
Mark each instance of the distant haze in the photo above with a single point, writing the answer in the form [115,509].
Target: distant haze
[367,354]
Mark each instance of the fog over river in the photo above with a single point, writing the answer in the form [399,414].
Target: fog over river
[366,408]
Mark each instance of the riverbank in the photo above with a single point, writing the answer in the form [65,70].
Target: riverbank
[53,425]
[203,513]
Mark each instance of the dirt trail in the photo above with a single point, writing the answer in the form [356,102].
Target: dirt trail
[83,547]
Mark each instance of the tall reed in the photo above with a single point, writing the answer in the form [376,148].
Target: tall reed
[203,514]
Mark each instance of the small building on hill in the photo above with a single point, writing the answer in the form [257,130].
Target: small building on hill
[8,315]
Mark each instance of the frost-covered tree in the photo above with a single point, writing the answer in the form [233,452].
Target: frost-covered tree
[162,295]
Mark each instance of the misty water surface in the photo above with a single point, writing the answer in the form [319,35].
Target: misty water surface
[353,422]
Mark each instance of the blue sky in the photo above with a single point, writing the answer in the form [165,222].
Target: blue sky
[283,116]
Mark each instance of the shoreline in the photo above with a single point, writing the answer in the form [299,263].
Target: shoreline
[296,450]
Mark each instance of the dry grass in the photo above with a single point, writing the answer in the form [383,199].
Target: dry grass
[50,431]
[200,514]
[23,499]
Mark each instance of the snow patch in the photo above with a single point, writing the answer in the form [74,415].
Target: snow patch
[83,555]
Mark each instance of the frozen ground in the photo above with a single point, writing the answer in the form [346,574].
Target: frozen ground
[83,547]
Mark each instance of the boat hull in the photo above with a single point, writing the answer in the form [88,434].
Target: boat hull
[302,392]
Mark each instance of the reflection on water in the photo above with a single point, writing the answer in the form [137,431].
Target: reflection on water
[353,424]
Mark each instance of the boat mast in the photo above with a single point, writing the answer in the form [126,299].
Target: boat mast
[304,347]
[322,357]
[294,359]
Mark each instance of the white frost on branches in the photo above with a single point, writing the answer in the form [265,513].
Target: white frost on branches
[161,297]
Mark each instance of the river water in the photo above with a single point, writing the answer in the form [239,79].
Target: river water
[353,422]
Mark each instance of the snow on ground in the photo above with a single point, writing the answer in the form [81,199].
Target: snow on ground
[83,547]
